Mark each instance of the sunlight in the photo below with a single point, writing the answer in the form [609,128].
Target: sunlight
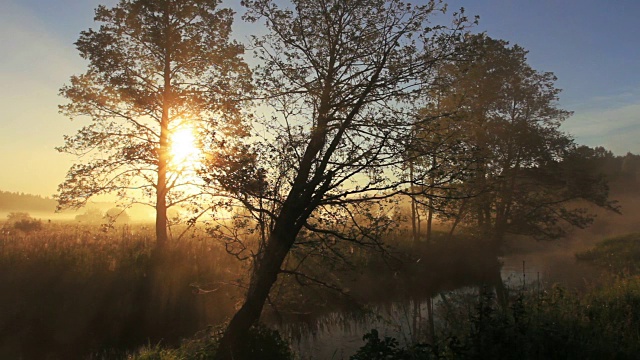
[184,151]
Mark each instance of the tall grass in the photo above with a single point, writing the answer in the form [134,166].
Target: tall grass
[602,322]
[67,291]
[71,290]
[554,324]
[619,254]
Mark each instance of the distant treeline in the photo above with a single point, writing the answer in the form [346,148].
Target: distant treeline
[620,171]
[17,201]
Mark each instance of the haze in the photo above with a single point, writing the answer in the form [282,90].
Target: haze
[591,46]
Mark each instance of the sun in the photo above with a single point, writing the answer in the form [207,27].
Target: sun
[184,151]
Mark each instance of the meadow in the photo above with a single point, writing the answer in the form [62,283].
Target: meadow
[70,290]
[532,322]
[87,291]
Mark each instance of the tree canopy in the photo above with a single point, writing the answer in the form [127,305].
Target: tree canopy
[525,178]
[156,68]
[342,79]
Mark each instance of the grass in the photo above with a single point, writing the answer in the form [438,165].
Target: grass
[262,343]
[620,254]
[554,324]
[68,291]
[601,323]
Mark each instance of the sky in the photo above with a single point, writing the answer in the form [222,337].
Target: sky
[592,46]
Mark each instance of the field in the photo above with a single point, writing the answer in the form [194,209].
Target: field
[75,291]
[70,290]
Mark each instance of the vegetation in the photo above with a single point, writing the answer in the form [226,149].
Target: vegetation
[261,343]
[341,114]
[620,254]
[523,178]
[158,72]
[554,324]
[23,222]
[10,201]
[534,323]
[70,290]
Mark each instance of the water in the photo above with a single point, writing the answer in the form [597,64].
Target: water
[337,335]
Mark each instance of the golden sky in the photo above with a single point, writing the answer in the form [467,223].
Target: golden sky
[590,45]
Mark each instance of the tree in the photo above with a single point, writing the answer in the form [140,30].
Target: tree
[117,216]
[17,216]
[522,181]
[157,69]
[91,216]
[342,78]
[438,161]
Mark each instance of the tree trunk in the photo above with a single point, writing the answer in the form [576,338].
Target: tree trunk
[264,275]
[429,221]
[418,222]
[458,219]
[163,148]
[432,182]
[414,229]
[161,187]
[161,213]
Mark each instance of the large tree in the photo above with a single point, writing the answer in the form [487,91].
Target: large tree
[522,180]
[157,70]
[343,79]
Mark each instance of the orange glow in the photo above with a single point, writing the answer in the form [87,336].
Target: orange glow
[185,153]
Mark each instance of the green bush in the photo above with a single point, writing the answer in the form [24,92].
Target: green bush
[24,222]
[388,349]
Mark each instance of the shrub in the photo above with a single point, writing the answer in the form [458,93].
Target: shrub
[557,324]
[262,343]
[24,222]
[388,349]
[620,254]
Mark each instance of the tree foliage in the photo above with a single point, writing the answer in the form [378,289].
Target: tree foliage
[342,79]
[154,68]
[527,174]
[90,216]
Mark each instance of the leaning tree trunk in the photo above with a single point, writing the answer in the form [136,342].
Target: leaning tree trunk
[265,274]
[293,215]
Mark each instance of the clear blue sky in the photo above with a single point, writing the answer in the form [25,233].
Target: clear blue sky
[592,46]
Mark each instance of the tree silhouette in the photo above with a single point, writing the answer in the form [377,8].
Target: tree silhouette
[523,180]
[155,68]
[343,78]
